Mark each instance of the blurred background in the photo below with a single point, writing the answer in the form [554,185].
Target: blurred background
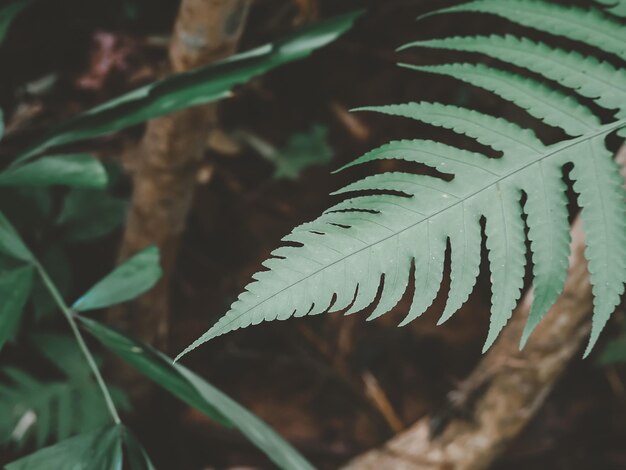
[334,386]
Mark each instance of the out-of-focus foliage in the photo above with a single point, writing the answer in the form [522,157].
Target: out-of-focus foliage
[303,150]
[45,411]
[198,86]
[96,450]
[198,393]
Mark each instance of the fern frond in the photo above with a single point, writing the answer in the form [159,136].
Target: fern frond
[587,26]
[587,76]
[392,223]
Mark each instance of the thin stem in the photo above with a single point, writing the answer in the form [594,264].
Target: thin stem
[80,340]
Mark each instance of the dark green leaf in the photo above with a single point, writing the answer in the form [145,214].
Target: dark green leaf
[64,353]
[89,214]
[14,289]
[197,393]
[199,86]
[28,209]
[260,434]
[154,365]
[97,450]
[10,242]
[77,170]
[132,278]
[8,14]
[137,457]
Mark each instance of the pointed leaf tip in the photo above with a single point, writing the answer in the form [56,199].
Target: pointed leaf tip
[129,280]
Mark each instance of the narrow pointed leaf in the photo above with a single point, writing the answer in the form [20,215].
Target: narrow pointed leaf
[586,75]
[15,286]
[552,107]
[603,201]
[132,278]
[138,458]
[10,242]
[196,392]
[588,26]
[546,210]
[198,86]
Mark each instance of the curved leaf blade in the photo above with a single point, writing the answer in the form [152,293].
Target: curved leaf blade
[15,287]
[10,242]
[196,392]
[199,86]
[135,276]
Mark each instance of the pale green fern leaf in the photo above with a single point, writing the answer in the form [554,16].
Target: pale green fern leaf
[600,186]
[589,26]
[588,76]
[393,223]
[552,107]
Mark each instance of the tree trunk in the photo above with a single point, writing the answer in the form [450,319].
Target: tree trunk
[165,164]
[507,387]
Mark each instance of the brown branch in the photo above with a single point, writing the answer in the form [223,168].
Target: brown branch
[511,384]
[165,164]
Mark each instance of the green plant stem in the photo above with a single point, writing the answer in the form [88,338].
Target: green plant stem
[69,315]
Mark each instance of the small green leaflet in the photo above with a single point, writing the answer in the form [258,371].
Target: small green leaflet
[132,278]
[78,170]
[10,242]
[198,86]
[97,450]
[196,392]
[8,14]
[15,286]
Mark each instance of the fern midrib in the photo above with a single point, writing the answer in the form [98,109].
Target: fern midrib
[603,212]
[551,232]
[570,143]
